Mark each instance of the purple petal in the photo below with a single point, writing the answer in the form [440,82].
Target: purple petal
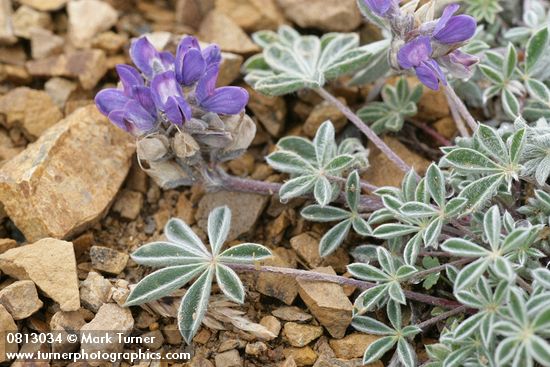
[163,86]
[379,7]
[226,100]
[167,60]
[129,77]
[117,118]
[177,110]
[412,54]
[194,67]
[207,83]
[145,98]
[430,74]
[110,99]
[459,64]
[448,12]
[458,29]
[212,55]
[144,54]
[140,119]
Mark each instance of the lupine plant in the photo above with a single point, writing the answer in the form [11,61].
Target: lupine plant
[459,254]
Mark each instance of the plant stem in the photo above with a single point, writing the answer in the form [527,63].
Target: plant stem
[330,278]
[365,129]
[363,184]
[440,139]
[455,103]
[440,268]
[445,315]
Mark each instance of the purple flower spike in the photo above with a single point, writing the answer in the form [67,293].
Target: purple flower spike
[169,98]
[379,7]
[146,57]
[190,63]
[225,100]
[417,54]
[454,29]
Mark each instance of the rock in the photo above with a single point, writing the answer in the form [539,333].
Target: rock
[7,244]
[446,127]
[327,15]
[231,358]
[65,324]
[45,43]
[328,303]
[110,42]
[129,204]
[301,356]
[185,209]
[219,28]
[60,90]
[243,165]
[386,173]
[46,192]
[6,28]
[299,335]
[153,340]
[44,5]
[353,345]
[95,291]
[172,334]
[252,15]
[307,248]
[25,19]
[51,265]
[108,260]
[272,324]
[88,66]
[270,111]
[31,110]
[192,12]
[230,68]
[8,150]
[275,285]
[255,349]
[245,208]
[6,325]
[20,299]
[291,313]
[322,112]
[87,18]
[111,320]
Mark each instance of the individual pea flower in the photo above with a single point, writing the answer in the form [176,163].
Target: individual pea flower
[417,54]
[459,64]
[191,62]
[168,97]
[382,8]
[224,100]
[453,29]
[150,61]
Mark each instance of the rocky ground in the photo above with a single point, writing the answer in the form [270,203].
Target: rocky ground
[67,173]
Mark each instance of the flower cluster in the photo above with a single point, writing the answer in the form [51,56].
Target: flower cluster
[168,89]
[427,46]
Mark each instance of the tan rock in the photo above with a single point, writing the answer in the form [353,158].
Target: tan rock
[51,265]
[153,340]
[328,303]
[25,19]
[7,244]
[88,66]
[110,42]
[446,127]
[44,5]
[301,356]
[44,43]
[272,324]
[322,112]
[191,12]
[31,110]
[353,345]
[255,349]
[185,209]
[386,173]
[230,68]
[299,335]
[270,111]
[108,260]
[65,324]
[8,150]
[219,28]
[20,299]
[60,90]
[252,15]
[87,18]
[46,192]
[231,358]
[6,325]
[291,313]
[328,15]
[275,285]
[307,249]
[172,334]
[95,291]
[129,204]
[6,27]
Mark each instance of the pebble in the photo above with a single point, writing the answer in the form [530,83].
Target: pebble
[327,15]
[446,127]
[51,265]
[353,345]
[6,325]
[270,111]
[25,19]
[299,335]
[44,43]
[108,260]
[65,323]
[252,15]
[291,313]
[172,334]
[20,299]
[7,244]
[153,340]
[110,42]
[230,68]
[87,18]
[322,112]
[129,204]
[307,248]
[272,324]
[302,356]
[185,210]
[220,29]
[44,5]
[192,12]
[275,285]
[231,358]
[6,27]
[255,349]
[60,90]
[95,291]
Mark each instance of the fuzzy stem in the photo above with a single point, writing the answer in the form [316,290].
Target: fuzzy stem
[365,130]
[440,139]
[445,315]
[456,103]
[363,184]
[440,268]
[330,278]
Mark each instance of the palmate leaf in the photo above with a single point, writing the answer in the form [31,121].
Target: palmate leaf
[219,222]
[229,283]
[179,232]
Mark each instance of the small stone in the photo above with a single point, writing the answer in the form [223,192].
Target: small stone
[299,335]
[270,111]
[245,208]
[192,12]
[44,5]
[153,340]
[87,18]
[25,19]
[64,324]
[43,205]
[220,29]
[446,127]
[322,112]
[353,345]
[45,43]
[108,260]
[276,285]
[7,244]
[243,165]
[307,248]
[6,28]
[60,90]
[31,110]
[327,15]
[88,66]
[51,265]
[291,313]
[203,336]
[6,325]
[302,356]
[328,303]
[185,210]
[172,334]
[272,324]
[252,15]
[110,42]
[255,349]
[289,362]
[228,344]
[111,320]
[20,299]
[129,204]
[230,68]
[95,291]
[231,358]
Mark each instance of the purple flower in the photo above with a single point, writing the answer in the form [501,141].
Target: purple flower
[379,7]
[417,54]
[150,61]
[452,28]
[191,63]
[226,100]
[459,64]
[169,98]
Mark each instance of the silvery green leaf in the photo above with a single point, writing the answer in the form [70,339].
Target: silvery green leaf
[322,191]
[369,298]
[432,232]
[516,239]
[492,226]
[308,50]
[377,349]
[470,161]
[492,142]
[371,326]
[503,268]
[289,162]
[324,143]
[405,271]
[396,293]
[265,38]
[194,304]
[407,356]
[367,272]
[338,164]
[409,184]
[393,309]
[385,260]
[176,230]
[538,90]
[282,59]
[478,192]
[539,349]
[297,186]
[278,85]
[470,273]
[334,238]
[456,358]
[511,60]
[436,184]
[393,230]
[510,103]
[378,65]
[417,209]
[492,74]
[451,272]
[412,248]
[490,92]
[229,283]
[167,254]
[410,330]
[542,320]
[353,190]
[348,62]
[162,283]
[317,213]
[360,226]
[301,146]
[506,350]
[517,144]
[455,206]
[430,280]
[392,203]
[257,64]
[244,253]
[535,49]
[542,276]
[219,223]
[335,45]
[463,248]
